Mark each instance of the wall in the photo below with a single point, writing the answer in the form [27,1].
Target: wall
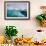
[25,27]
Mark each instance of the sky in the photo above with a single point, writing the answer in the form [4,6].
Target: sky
[17,6]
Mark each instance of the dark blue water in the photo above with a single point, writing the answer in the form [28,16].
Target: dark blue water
[16,13]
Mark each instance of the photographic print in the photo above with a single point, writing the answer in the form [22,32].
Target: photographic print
[17,10]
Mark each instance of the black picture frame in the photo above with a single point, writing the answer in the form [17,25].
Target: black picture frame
[6,17]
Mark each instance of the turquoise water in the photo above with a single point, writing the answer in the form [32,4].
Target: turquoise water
[16,13]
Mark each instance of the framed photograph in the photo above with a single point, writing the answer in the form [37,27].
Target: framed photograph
[17,10]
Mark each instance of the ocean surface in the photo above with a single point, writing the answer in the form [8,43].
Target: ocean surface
[16,13]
